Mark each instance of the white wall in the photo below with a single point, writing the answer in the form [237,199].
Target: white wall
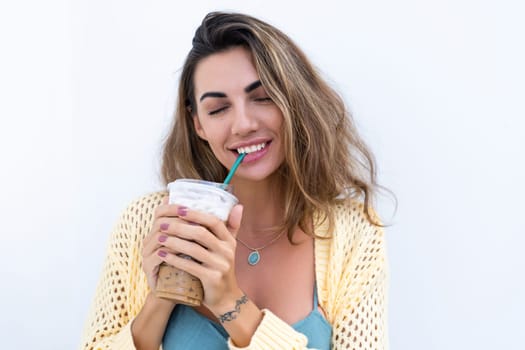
[437,88]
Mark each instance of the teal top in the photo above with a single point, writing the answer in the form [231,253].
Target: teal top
[188,329]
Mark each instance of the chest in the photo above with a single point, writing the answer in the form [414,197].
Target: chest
[283,280]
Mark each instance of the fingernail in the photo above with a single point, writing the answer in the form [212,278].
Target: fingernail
[162,253]
[164,226]
[182,211]
[163,238]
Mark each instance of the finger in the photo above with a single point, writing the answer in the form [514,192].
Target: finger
[151,243]
[169,210]
[234,220]
[161,228]
[201,244]
[188,265]
[194,232]
[189,248]
[150,266]
[210,221]
[167,225]
[152,261]
[164,202]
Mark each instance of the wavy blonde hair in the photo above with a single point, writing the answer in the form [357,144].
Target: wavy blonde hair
[326,161]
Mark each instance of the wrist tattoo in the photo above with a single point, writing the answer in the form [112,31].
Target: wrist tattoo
[232,315]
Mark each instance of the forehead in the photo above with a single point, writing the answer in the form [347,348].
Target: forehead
[228,71]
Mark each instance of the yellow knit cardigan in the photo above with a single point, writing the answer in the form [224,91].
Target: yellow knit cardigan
[351,275]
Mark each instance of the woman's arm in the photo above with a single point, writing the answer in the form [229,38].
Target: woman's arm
[273,333]
[122,289]
[148,327]
[209,241]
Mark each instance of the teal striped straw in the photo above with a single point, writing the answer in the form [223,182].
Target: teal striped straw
[234,168]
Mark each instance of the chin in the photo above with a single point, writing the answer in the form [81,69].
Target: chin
[258,175]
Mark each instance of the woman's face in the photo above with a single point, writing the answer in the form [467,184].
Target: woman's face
[234,114]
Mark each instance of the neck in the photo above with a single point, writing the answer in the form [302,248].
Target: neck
[263,207]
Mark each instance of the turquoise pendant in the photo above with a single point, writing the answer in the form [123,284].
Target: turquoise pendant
[254,258]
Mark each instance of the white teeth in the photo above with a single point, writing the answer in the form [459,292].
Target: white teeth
[252,148]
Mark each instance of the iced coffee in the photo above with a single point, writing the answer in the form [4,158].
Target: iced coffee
[205,196]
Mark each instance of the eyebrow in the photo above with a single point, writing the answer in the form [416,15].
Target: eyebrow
[217,94]
[252,86]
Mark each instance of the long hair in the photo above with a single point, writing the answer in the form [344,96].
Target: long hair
[326,161]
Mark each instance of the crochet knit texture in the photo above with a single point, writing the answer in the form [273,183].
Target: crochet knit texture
[351,275]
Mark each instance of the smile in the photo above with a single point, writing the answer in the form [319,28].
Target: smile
[252,148]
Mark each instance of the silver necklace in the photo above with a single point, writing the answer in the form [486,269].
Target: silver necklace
[255,256]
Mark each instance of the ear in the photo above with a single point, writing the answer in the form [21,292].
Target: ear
[198,127]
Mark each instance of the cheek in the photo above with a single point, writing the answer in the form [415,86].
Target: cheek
[278,121]
[209,128]
[215,135]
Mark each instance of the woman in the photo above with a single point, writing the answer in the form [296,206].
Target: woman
[321,278]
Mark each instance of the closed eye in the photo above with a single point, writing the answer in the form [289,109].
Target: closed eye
[217,111]
[263,99]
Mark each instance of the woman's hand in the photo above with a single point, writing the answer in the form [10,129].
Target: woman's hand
[149,325]
[165,215]
[206,239]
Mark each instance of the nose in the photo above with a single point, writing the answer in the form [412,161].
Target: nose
[244,122]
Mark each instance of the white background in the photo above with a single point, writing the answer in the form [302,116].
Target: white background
[437,88]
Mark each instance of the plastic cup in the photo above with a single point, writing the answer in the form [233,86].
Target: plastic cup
[205,196]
